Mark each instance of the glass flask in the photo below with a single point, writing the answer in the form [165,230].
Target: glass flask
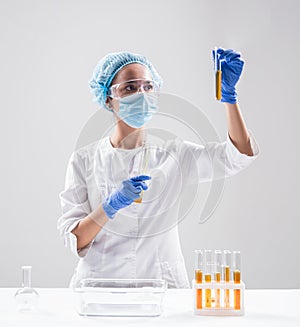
[26,297]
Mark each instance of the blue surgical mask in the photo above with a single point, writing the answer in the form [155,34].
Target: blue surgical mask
[137,109]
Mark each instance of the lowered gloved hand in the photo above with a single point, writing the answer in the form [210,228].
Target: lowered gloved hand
[232,66]
[123,197]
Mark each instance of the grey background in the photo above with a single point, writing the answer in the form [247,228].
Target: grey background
[48,52]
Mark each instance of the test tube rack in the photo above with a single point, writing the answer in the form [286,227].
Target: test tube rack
[218,289]
[218,298]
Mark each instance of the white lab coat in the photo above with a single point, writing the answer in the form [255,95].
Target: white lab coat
[142,240]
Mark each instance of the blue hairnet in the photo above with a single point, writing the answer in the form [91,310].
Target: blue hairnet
[108,67]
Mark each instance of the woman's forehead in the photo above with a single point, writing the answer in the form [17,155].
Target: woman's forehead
[132,71]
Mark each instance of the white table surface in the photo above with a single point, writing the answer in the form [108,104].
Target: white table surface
[56,308]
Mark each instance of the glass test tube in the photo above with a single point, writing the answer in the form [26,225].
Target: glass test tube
[218,76]
[237,279]
[198,276]
[218,274]
[227,266]
[143,166]
[209,264]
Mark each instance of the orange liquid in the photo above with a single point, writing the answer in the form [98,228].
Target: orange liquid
[237,293]
[139,200]
[207,298]
[207,292]
[199,299]
[227,291]
[237,299]
[198,277]
[227,297]
[218,297]
[218,291]
[218,84]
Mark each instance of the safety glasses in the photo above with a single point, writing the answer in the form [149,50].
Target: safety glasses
[133,86]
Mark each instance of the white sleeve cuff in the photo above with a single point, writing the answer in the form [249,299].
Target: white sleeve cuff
[71,241]
[239,157]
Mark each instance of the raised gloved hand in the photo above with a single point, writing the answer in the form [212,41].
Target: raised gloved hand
[123,197]
[232,66]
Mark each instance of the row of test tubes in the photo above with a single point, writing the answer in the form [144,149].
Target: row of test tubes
[218,280]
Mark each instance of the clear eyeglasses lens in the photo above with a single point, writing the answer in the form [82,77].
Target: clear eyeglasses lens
[131,87]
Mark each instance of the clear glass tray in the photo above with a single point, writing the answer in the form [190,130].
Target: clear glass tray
[120,297]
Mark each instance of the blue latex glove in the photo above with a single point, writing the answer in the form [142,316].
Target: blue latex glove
[232,66]
[123,197]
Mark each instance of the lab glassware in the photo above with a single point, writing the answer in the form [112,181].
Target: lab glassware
[237,278]
[143,167]
[227,265]
[120,297]
[219,292]
[199,267]
[218,275]
[209,264]
[218,76]
[26,297]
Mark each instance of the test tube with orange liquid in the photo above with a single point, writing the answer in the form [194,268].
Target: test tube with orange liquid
[209,263]
[143,167]
[218,76]
[199,264]
[218,274]
[227,267]
[237,279]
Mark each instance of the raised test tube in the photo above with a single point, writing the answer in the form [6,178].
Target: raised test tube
[227,267]
[218,73]
[237,279]
[209,265]
[199,264]
[143,166]
[218,274]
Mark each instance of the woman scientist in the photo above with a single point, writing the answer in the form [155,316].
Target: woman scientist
[102,222]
